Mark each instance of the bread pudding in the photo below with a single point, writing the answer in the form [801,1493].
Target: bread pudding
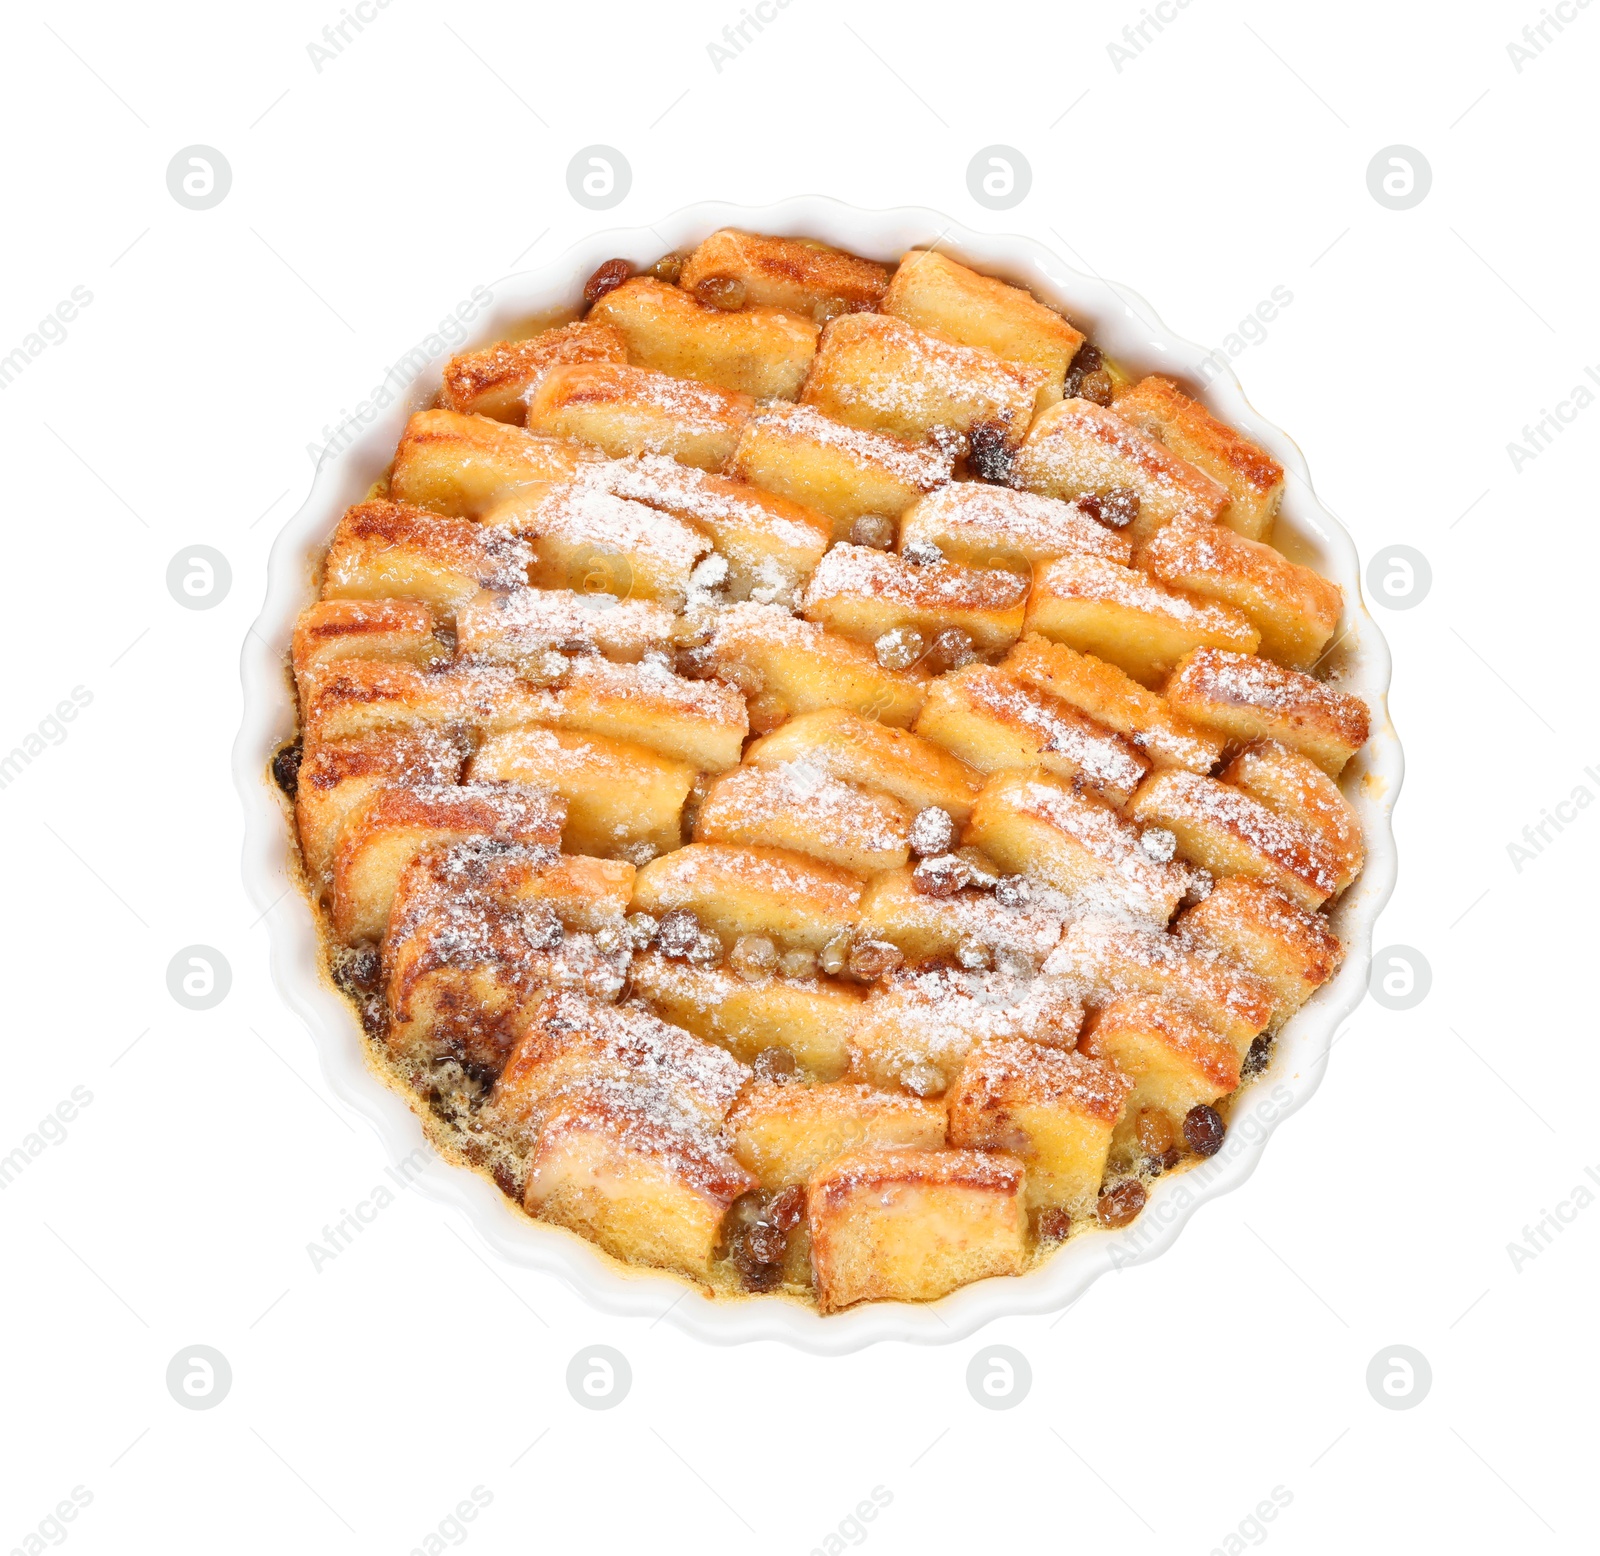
[815,778]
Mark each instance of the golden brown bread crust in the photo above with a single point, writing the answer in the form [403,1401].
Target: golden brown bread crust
[363,629]
[1250,698]
[1177,1030]
[790,273]
[495,380]
[1253,478]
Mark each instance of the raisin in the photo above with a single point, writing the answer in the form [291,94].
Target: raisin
[941,876]
[678,933]
[872,529]
[1096,386]
[1259,1057]
[900,648]
[1155,1132]
[836,953]
[694,664]
[933,832]
[787,1207]
[798,964]
[1204,1130]
[745,1250]
[358,972]
[975,956]
[706,951]
[1088,360]
[725,292]
[775,1064]
[607,278]
[642,930]
[1119,507]
[547,669]
[871,959]
[766,1243]
[505,1181]
[1120,1205]
[374,1017]
[753,958]
[286,768]
[921,553]
[1159,843]
[1052,1226]
[1013,891]
[951,650]
[989,453]
[668,268]
[826,308]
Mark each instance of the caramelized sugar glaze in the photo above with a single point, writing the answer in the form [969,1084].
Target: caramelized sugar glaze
[815,778]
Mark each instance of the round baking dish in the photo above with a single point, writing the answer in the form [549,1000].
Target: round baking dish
[1127,328]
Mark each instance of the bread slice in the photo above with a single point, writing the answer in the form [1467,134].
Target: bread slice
[1246,698]
[798,666]
[1111,697]
[933,292]
[494,380]
[399,820]
[893,909]
[785,1133]
[702,723]
[995,722]
[649,1182]
[803,809]
[842,472]
[840,744]
[585,539]
[1294,787]
[1224,831]
[365,696]
[1252,478]
[808,1018]
[876,372]
[910,1226]
[330,630]
[799,902]
[1173,1061]
[992,526]
[864,593]
[337,777]
[1076,448]
[1075,842]
[1248,922]
[1105,961]
[463,465]
[798,275]
[393,550]
[1053,1110]
[919,1024]
[769,543]
[1118,614]
[520,628]
[631,410]
[756,351]
[1295,609]
[479,928]
[621,797]
[569,1041]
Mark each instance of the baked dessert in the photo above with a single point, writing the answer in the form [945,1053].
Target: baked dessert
[817,779]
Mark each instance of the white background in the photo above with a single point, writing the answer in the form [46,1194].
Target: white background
[1228,158]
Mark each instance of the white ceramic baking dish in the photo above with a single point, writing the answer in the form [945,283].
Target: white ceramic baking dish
[1124,326]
